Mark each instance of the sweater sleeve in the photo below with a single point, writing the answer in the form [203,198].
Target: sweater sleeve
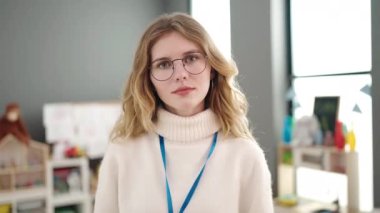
[106,199]
[256,189]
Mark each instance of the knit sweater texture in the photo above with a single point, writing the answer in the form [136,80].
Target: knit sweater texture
[132,176]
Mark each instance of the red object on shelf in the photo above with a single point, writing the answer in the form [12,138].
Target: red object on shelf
[74,152]
[339,136]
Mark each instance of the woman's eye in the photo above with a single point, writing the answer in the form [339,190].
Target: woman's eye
[191,58]
[164,65]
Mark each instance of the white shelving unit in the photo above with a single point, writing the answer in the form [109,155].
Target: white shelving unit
[81,198]
[327,159]
[18,197]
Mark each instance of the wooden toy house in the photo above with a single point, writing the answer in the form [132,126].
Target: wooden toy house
[22,166]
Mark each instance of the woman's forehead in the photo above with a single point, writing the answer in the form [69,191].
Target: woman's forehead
[173,45]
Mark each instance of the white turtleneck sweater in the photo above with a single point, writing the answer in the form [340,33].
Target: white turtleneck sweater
[132,177]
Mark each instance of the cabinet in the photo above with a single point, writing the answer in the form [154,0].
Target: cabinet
[30,182]
[320,158]
[23,176]
[69,186]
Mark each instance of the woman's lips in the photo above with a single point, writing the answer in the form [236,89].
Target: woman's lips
[183,91]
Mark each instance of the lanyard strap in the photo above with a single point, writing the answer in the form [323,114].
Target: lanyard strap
[195,184]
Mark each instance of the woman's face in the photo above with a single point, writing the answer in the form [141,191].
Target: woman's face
[183,93]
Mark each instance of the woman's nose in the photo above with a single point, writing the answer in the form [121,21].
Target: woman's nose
[180,72]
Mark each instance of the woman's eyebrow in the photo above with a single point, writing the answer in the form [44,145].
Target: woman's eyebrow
[183,54]
[191,51]
[160,59]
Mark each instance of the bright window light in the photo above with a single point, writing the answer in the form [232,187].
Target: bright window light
[214,15]
[321,186]
[330,36]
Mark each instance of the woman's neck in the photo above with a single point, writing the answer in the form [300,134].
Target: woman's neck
[186,112]
[186,129]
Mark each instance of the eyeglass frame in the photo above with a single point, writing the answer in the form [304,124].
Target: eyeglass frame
[183,64]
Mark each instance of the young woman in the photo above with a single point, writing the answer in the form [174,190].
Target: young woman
[182,143]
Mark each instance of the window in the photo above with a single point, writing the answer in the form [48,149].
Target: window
[214,15]
[331,56]
[330,36]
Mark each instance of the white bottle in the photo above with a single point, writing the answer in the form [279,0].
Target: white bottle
[74,181]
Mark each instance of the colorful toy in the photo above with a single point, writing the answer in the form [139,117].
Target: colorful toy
[351,140]
[11,123]
[74,152]
[339,139]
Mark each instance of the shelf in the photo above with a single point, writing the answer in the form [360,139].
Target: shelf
[74,162]
[69,199]
[35,168]
[24,194]
[23,169]
[78,196]
[329,160]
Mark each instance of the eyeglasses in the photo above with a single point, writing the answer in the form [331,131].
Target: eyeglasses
[163,69]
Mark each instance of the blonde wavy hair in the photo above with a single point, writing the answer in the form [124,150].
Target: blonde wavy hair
[140,102]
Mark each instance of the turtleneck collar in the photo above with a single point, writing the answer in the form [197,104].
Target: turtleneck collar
[186,129]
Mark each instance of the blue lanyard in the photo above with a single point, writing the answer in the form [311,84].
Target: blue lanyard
[195,184]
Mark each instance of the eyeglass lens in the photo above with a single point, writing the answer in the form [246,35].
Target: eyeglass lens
[194,63]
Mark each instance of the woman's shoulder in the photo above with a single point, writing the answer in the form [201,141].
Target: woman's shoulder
[248,148]
[248,154]
[125,144]
[241,142]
